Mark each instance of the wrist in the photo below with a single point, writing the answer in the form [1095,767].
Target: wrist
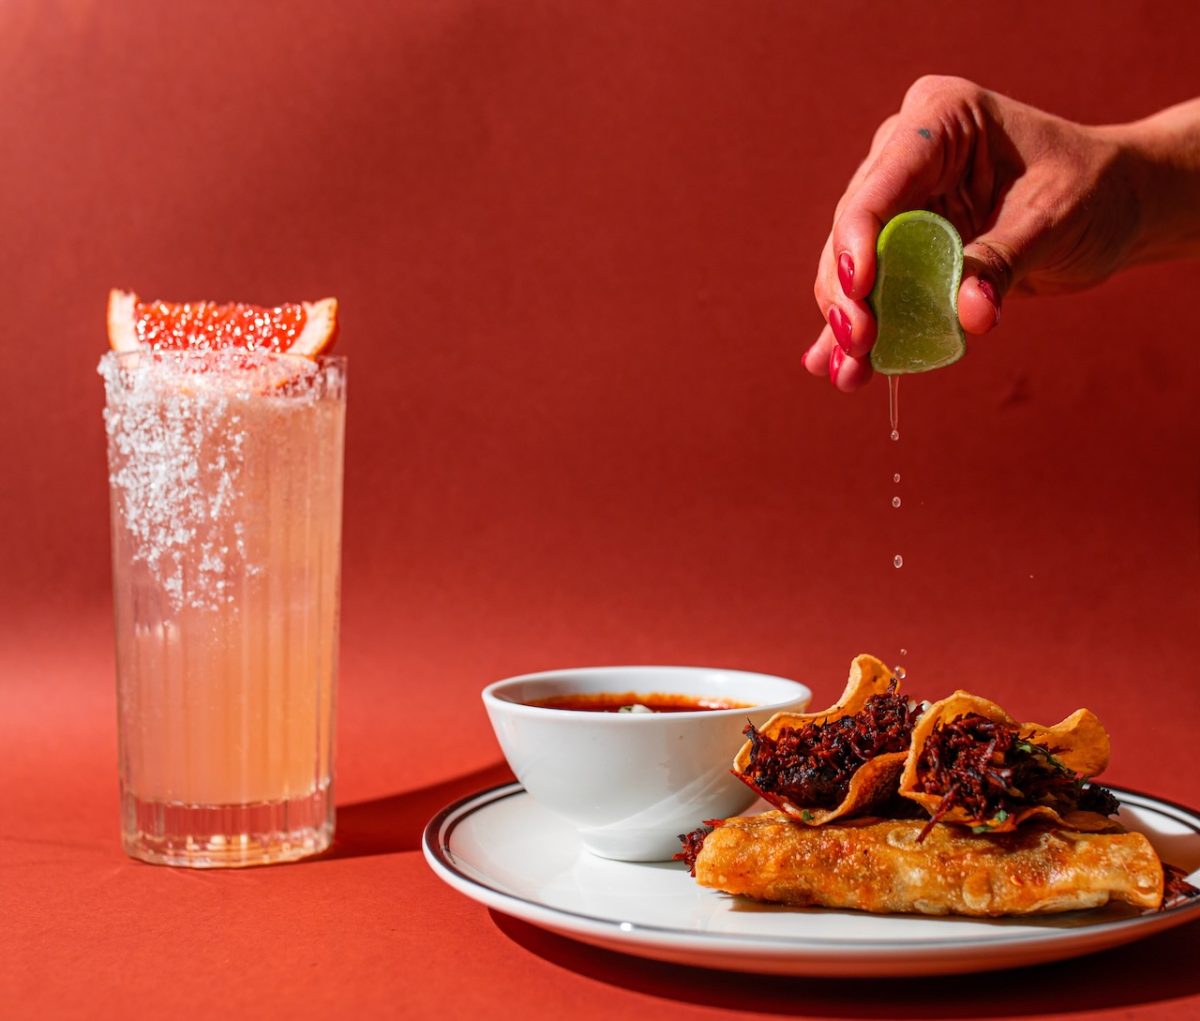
[1160,157]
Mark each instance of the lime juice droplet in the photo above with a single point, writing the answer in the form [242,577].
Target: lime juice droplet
[894,422]
[894,405]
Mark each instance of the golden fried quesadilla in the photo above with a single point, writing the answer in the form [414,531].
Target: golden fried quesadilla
[971,763]
[842,762]
[882,866]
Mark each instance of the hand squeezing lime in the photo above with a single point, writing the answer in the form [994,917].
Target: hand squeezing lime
[919,264]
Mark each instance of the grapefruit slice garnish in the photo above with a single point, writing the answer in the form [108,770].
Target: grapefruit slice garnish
[306,328]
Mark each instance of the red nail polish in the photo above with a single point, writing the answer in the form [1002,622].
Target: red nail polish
[846,272]
[989,292]
[843,331]
[836,357]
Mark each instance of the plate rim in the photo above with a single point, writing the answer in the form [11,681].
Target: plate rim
[631,937]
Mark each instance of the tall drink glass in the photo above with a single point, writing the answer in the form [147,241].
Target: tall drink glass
[225,472]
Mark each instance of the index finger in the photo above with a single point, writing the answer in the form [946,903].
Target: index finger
[902,176]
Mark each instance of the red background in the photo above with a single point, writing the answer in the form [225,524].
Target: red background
[574,245]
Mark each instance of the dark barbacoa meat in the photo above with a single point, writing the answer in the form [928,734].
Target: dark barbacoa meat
[811,765]
[692,844]
[990,771]
[1176,889]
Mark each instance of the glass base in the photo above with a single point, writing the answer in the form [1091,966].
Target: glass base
[226,836]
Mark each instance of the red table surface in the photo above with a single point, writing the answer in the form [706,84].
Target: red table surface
[574,244]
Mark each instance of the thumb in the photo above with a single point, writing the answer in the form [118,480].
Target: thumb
[990,267]
[1001,257]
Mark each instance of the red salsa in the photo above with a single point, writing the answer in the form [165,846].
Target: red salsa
[630,701]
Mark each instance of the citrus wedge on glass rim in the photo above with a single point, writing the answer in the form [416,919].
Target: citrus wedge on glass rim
[305,328]
[918,269]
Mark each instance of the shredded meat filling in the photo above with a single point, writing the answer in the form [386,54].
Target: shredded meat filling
[1176,889]
[812,765]
[989,770]
[692,844]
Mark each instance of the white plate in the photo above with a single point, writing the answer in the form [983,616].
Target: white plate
[499,847]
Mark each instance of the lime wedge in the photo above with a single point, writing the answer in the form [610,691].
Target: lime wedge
[915,297]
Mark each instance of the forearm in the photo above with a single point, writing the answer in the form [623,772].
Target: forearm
[1164,153]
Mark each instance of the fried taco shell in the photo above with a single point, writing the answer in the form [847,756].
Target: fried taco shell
[883,866]
[971,763]
[872,782]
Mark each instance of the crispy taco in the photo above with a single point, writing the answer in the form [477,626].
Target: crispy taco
[971,763]
[842,762]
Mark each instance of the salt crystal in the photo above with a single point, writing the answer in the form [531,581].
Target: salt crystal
[176,459]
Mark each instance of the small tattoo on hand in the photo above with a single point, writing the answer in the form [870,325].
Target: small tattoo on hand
[925,133]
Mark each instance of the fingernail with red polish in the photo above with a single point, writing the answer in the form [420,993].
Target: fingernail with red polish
[846,272]
[989,292]
[835,364]
[843,331]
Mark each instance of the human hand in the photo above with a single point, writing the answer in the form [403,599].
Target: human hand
[1043,205]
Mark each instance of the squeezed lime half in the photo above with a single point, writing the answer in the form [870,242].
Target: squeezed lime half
[919,263]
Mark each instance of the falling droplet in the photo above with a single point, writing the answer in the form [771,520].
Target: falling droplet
[900,672]
[903,652]
[896,477]
[895,434]
[895,501]
[898,561]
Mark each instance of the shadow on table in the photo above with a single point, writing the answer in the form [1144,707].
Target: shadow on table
[395,823]
[1157,969]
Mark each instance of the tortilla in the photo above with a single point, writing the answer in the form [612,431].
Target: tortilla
[880,866]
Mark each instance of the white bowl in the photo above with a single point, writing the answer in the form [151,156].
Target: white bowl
[631,783]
